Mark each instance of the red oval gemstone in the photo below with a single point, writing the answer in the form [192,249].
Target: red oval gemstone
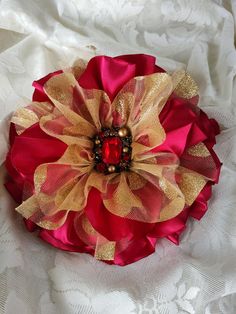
[111,150]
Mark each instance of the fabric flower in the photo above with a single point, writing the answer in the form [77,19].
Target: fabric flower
[112,155]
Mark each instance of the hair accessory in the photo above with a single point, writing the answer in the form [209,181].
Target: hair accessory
[110,156]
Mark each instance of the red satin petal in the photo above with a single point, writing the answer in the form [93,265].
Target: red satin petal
[111,226]
[30,149]
[14,188]
[30,225]
[111,74]
[129,249]
[179,119]
[199,207]
[167,228]
[65,237]
[12,134]
[173,228]
[144,64]
[107,74]
[134,251]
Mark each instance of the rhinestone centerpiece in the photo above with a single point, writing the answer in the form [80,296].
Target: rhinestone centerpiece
[112,150]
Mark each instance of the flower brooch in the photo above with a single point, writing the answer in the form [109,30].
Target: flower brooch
[112,150]
[110,156]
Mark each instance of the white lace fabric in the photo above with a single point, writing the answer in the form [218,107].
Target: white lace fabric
[199,275]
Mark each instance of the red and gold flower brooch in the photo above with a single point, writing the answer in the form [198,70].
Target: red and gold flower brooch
[111,156]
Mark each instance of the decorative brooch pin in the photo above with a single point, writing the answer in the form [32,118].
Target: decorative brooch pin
[111,156]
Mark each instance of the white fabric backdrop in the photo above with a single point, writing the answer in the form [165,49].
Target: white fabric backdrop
[199,276]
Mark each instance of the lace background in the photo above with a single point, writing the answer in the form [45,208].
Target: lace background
[199,276]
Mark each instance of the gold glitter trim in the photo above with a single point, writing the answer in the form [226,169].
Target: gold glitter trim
[158,87]
[187,87]
[28,207]
[24,118]
[59,88]
[191,185]
[78,68]
[105,251]
[122,105]
[169,189]
[47,225]
[199,150]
